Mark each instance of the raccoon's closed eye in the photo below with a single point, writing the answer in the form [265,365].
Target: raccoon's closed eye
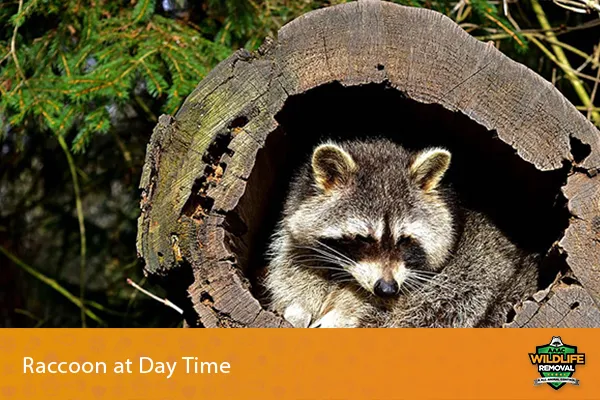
[348,242]
[404,240]
[365,239]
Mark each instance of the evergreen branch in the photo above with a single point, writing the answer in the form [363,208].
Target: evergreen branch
[47,101]
[157,85]
[47,116]
[504,28]
[79,208]
[142,11]
[62,128]
[65,64]
[118,79]
[84,55]
[51,283]
[47,40]
[186,61]
[95,121]
[22,15]
[176,65]
[106,54]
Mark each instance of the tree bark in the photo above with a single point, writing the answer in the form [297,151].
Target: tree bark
[199,163]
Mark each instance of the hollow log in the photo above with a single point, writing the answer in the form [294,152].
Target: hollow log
[215,175]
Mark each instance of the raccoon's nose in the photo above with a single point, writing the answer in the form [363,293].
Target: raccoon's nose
[385,288]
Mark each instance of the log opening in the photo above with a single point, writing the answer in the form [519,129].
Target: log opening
[486,173]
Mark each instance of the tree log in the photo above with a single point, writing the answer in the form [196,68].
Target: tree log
[215,174]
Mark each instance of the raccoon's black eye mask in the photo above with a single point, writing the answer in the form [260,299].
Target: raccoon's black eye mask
[358,240]
[348,244]
[405,240]
[363,239]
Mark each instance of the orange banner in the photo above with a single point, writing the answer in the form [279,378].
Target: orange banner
[298,363]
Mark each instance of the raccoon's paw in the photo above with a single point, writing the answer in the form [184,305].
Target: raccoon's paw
[336,319]
[297,316]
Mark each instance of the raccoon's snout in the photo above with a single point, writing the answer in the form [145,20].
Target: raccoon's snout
[385,288]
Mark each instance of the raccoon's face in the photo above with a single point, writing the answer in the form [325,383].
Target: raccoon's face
[372,212]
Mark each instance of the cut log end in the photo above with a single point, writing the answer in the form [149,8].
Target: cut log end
[216,174]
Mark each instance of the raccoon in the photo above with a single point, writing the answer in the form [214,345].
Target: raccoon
[371,236]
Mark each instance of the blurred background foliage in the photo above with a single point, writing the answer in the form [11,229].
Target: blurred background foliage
[82,83]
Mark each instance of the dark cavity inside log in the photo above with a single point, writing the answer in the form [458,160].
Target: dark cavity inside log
[486,173]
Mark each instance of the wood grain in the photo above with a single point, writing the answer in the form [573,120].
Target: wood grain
[198,163]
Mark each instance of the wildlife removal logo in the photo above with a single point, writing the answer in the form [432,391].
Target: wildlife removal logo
[556,363]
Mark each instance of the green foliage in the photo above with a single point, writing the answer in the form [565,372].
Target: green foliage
[67,73]
[74,60]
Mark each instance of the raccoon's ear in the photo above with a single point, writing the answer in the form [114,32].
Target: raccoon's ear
[332,166]
[429,166]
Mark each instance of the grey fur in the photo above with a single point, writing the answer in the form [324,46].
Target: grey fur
[477,288]
[455,270]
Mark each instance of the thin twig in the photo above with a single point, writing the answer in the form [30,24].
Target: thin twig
[50,282]
[563,61]
[133,297]
[72,169]
[27,314]
[580,6]
[586,25]
[79,207]
[39,322]
[508,16]
[13,46]
[145,107]
[166,302]
[566,46]
[6,57]
[595,88]
[505,29]
[572,49]
[582,108]
[105,310]
[122,147]
[557,31]
[564,67]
